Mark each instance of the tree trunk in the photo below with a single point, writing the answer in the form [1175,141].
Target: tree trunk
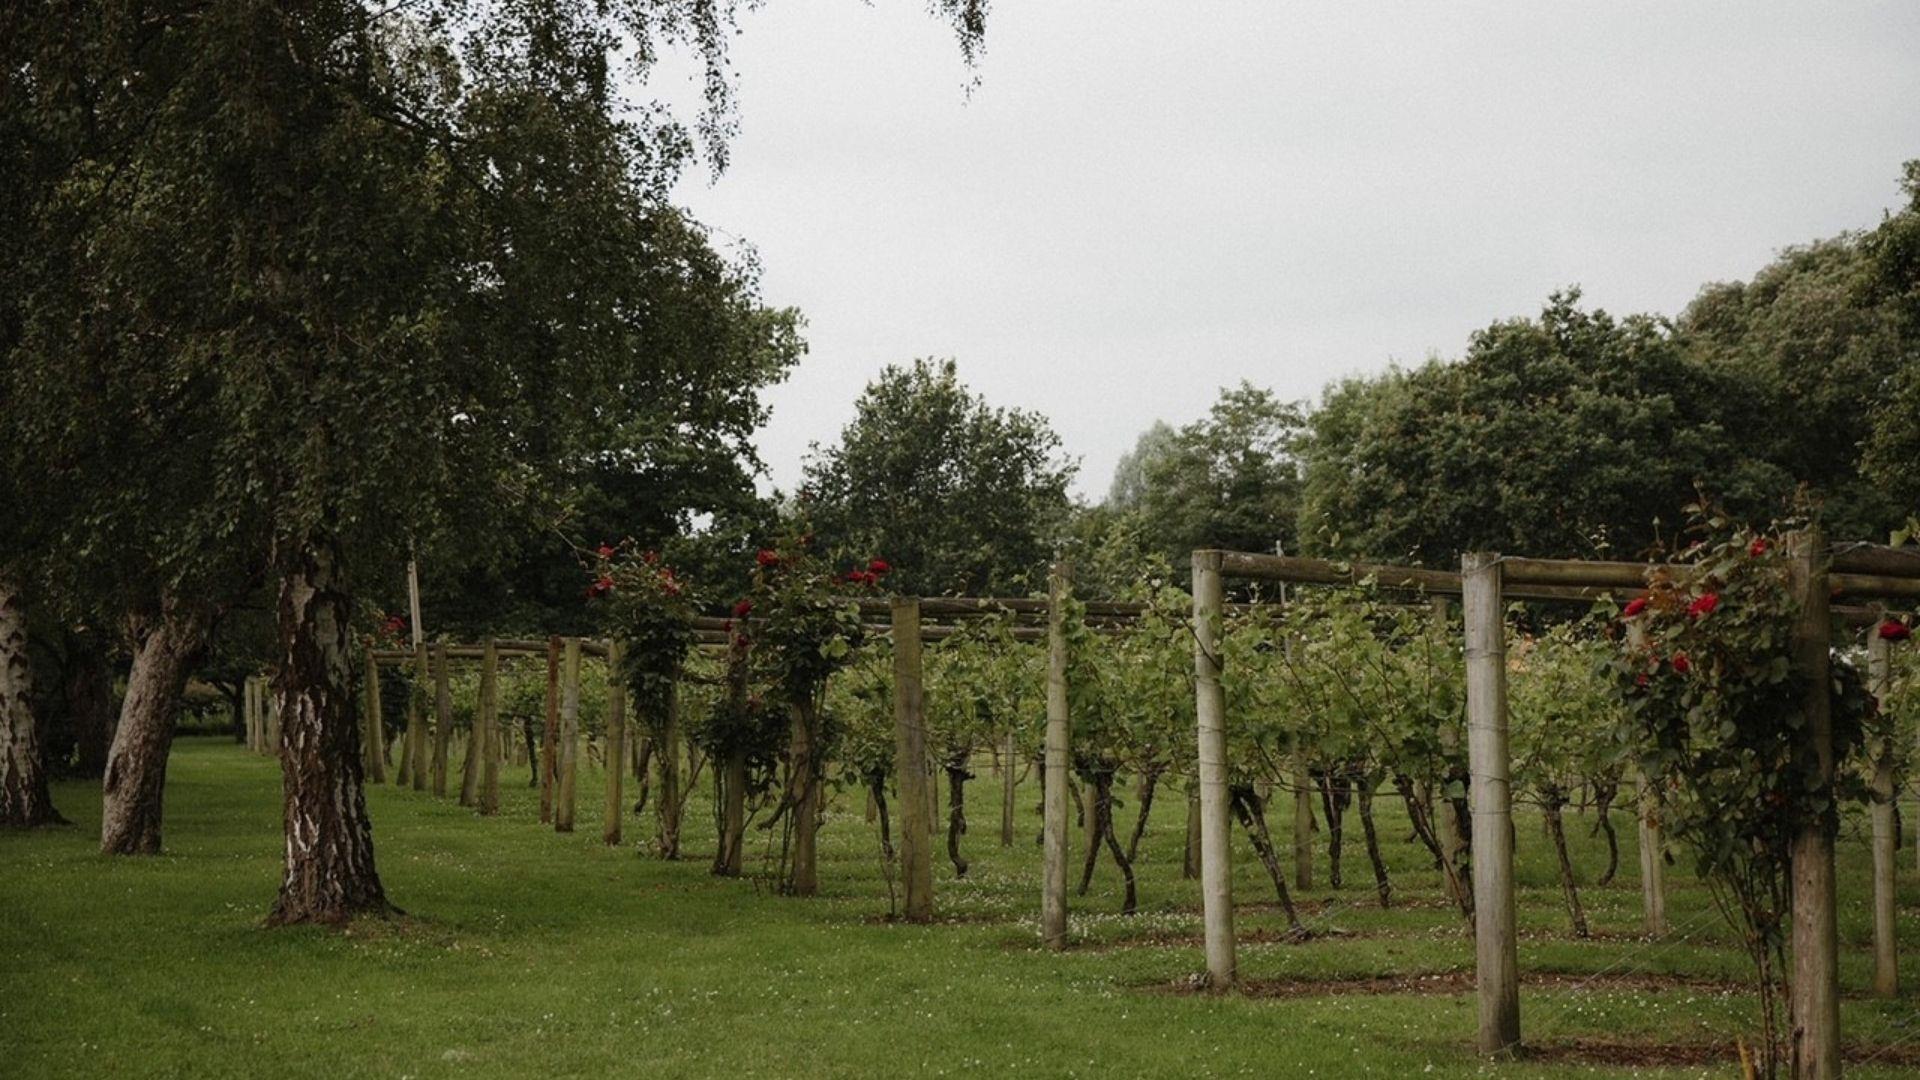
[733,815]
[1253,818]
[1090,826]
[330,875]
[136,775]
[1149,783]
[957,777]
[1553,802]
[1603,796]
[89,694]
[1103,806]
[24,799]
[1381,882]
[1335,795]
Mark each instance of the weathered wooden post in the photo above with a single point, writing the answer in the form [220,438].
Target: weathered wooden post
[271,705]
[1653,858]
[1210,707]
[549,730]
[909,758]
[616,742]
[417,745]
[569,737]
[1496,957]
[488,722]
[1653,861]
[376,727]
[1053,888]
[442,718]
[1008,781]
[1815,1003]
[1886,952]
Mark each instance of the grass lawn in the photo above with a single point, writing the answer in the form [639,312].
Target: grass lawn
[527,953]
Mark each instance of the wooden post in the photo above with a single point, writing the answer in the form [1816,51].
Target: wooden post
[271,705]
[487,719]
[616,741]
[1053,888]
[417,717]
[549,730]
[909,757]
[1653,861]
[1886,952]
[376,727]
[1210,707]
[1008,781]
[1496,957]
[442,718]
[569,737]
[1815,1003]
[246,713]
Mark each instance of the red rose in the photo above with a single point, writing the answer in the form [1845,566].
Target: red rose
[879,568]
[1895,630]
[741,609]
[1640,680]
[857,577]
[1634,607]
[1681,665]
[651,558]
[605,551]
[1704,604]
[1758,547]
[767,557]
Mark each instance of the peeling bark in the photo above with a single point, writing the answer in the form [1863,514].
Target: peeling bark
[329,875]
[134,785]
[24,799]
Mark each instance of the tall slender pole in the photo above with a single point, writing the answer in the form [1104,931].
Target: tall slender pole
[1053,889]
[488,723]
[1210,707]
[616,742]
[564,805]
[549,731]
[442,717]
[1496,956]
[1815,1000]
[1886,951]
[417,715]
[376,747]
[909,757]
[1653,856]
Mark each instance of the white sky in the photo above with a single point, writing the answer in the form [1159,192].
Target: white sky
[1145,200]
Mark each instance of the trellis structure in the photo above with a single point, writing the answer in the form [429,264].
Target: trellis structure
[1485,582]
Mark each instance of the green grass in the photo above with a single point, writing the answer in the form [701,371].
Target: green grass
[531,953]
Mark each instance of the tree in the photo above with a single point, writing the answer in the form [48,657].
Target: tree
[369,280]
[1893,444]
[1228,481]
[1810,343]
[960,496]
[1574,434]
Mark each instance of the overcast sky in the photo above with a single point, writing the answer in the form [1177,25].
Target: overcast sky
[1143,201]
